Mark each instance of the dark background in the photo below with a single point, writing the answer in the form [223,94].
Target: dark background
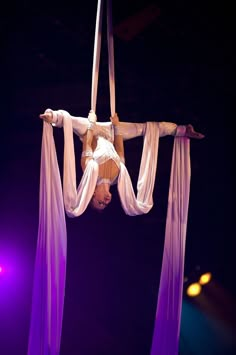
[172,64]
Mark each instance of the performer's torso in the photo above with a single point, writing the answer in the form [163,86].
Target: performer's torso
[107,159]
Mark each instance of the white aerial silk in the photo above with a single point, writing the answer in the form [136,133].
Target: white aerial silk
[131,204]
[50,261]
[50,264]
[96,56]
[76,199]
[168,315]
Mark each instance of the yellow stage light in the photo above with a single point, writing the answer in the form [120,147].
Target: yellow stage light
[205,278]
[194,289]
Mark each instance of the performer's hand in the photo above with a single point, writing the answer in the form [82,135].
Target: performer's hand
[191,133]
[115,120]
[92,116]
[48,116]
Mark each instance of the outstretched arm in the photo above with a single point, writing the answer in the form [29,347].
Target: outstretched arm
[87,152]
[118,138]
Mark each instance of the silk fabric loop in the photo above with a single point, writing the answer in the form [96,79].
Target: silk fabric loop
[97,54]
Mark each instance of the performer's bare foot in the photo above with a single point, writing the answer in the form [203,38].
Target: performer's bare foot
[191,133]
[48,117]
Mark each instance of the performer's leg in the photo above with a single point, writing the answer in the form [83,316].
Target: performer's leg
[104,129]
[80,125]
[127,129]
[131,130]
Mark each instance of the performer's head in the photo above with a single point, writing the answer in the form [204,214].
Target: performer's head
[101,197]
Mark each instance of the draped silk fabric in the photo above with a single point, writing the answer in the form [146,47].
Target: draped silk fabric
[169,305]
[50,264]
[146,179]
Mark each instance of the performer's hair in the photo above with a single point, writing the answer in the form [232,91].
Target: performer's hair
[91,205]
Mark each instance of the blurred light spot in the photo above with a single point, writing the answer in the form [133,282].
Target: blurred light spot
[194,289]
[205,278]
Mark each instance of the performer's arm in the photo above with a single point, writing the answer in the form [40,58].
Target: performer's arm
[87,153]
[118,138]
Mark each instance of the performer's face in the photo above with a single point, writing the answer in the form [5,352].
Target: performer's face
[101,198]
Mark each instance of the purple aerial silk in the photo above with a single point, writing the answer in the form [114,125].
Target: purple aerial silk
[50,263]
[169,306]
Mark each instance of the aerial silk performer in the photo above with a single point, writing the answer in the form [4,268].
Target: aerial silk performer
[103,164]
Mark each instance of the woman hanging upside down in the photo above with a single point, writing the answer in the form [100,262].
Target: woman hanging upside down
[103,143]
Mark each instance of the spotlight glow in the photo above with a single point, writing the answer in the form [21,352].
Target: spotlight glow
[1,269]
[194,289]
[205,278]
